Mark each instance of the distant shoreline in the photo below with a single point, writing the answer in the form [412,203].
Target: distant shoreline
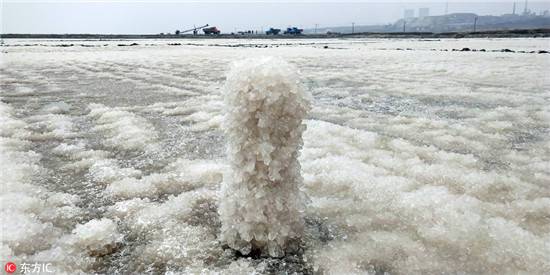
[480,34]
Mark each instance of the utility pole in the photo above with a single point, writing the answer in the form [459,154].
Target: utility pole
[514,9]
[525,9]
[404,23]
[446,7]
[316,25]
[475,23]
[352,27]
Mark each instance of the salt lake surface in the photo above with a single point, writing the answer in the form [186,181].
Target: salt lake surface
[417,159]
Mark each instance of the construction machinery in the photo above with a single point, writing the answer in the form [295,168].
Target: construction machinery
[206,29]
[195,30]
[293,31]
[273,31]
[211,30]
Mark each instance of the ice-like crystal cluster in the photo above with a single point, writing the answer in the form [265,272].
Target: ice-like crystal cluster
[261,202]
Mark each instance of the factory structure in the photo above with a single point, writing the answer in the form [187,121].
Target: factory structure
[422,12]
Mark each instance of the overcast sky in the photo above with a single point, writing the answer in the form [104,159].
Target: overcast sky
[141,17]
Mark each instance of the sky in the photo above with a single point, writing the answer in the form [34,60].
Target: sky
[150,17]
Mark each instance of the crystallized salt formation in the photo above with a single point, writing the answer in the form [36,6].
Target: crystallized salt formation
[261,203]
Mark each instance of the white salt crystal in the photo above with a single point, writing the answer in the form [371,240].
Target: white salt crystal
[260,199]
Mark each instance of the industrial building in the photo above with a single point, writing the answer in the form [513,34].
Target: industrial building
[409,13]
[423,12]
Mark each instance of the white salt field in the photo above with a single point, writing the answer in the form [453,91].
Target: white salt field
[416,159]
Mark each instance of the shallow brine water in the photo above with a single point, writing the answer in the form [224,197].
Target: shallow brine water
[418,160]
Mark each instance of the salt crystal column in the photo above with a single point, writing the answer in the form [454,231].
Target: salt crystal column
[260,202]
